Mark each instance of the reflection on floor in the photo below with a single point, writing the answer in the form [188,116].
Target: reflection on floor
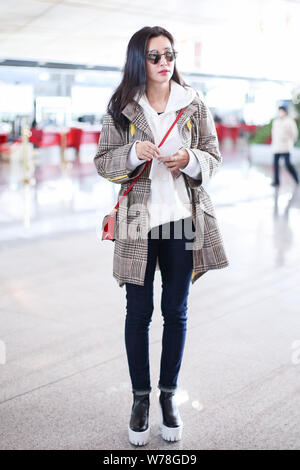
[77,198]
[64,381]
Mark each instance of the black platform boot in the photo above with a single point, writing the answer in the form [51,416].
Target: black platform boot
[171,424]
[138,428]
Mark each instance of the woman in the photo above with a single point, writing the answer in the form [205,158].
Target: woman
[167,220]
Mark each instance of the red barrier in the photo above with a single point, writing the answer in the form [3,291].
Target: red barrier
[44,139]
[80,136]
[3,138]
[5,148]
[233,132]
[74,138]
[268,140]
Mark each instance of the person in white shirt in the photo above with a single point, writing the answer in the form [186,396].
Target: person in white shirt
[284,135]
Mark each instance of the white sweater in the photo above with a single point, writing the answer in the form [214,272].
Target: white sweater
[284,134]
[168,200]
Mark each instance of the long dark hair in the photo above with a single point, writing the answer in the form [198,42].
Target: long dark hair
[134,76]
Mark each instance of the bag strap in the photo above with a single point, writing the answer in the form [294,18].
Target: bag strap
[148,163]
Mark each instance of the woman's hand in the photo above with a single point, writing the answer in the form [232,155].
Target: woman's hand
[146,150]
[180,159]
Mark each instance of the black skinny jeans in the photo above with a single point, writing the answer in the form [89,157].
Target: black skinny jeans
[289,166]
[176,264]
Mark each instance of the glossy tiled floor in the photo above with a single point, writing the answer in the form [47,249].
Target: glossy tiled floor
[64,376]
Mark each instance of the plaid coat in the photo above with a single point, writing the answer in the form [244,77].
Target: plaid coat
[197,130]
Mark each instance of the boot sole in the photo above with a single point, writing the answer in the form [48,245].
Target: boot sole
[138,438]
[169,434]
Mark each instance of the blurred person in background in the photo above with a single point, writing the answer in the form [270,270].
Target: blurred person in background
[284,135]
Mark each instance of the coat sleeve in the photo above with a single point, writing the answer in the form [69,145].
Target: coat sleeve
[111,158]
[206,146]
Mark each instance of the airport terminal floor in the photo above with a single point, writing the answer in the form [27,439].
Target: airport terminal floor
[66,385]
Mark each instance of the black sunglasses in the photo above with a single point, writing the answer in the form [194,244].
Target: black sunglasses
[154,57]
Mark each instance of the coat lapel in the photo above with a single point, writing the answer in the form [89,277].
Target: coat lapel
[137,117]
[187,113]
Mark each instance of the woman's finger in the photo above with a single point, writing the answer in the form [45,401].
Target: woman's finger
[149,153]
[172,166]
[153,149]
